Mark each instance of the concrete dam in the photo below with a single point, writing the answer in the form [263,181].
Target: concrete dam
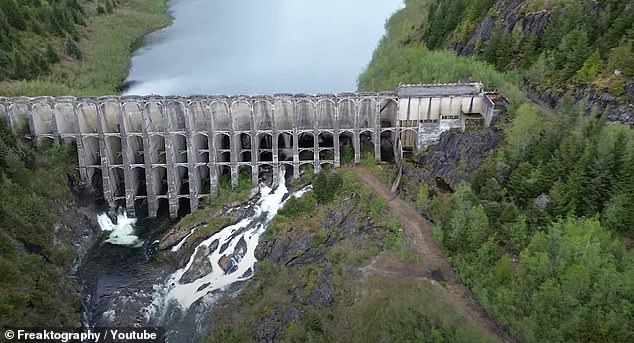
[169,152]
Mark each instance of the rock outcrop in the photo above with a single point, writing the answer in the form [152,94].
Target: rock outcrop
[510,16]
[456,156]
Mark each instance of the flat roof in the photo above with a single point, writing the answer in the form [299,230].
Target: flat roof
[440,90]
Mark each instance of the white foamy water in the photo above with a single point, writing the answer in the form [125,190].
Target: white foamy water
[121,233]
[178,246]
[177,292]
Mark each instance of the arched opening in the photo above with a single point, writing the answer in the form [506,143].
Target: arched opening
[141,208]
[138,174]
[163,206]
[387,146]
[245,156]
[265,174]
[204,180]
[288,171]
[136,144]
[346,148]
[157,149]
[117,183]
[159,178]
[285,146]
[201,144]
[183,176]
[367,145]
[245,177]
[113,149]
[326,146]
[245,141]
[306,146]
[95,178]
[184,206]
[91,151]
[179,144]
[265,147]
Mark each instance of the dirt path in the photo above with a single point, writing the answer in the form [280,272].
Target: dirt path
[435,267]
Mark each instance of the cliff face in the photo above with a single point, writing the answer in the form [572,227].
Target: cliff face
[508,16]
[615,110]
[516,16]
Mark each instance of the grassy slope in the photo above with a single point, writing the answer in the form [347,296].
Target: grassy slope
[400,59]
[364,309]
[106,44]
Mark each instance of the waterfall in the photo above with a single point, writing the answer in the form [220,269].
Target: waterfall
[121,233]
[221,260]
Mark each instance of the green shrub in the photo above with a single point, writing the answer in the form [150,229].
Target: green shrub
[325,186]
[295,207]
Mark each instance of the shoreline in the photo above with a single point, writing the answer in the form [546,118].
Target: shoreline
[117,35]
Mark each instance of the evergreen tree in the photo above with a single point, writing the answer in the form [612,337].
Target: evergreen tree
[571,53]
[14,14]
[591,68]
[51,55]
[72,49]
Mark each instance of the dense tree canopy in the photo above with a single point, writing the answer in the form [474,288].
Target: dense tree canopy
[34,33]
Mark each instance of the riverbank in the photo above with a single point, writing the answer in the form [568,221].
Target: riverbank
[107,43]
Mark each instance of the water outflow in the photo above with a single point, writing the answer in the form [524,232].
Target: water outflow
[121,233]
[224,259]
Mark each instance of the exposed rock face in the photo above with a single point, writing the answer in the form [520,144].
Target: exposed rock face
[79,218]
[323,294]
[200,267]
[604,102]
[509,14]
[301,247]
[457,155]
[514,15]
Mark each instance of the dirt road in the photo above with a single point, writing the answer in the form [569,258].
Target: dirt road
[435,268]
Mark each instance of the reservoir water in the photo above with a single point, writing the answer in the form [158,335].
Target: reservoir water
[260,47]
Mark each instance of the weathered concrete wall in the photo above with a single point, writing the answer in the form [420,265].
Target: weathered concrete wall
[172,151]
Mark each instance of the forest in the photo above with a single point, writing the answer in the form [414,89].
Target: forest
[542,232]
[583,43]
[57,47]
[35,250]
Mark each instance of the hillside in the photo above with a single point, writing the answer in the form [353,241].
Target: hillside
[581,47]
[540,227]
[57,47]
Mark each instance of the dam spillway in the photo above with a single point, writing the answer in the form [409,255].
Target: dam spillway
[142,152]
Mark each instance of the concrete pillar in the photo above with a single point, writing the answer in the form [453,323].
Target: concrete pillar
[126,152]
[152,204]
[170,158]
[55,130]
[397,133]
[377,130]
[335,138]
[103,154]
[4,114]
[255,145]
[316,159]
[296,174]
[213,153]
[79,141]
[235,145]
[356,134]
[192,159]
[32,124]
[276,149]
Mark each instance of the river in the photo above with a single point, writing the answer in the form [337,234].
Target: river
[260,47]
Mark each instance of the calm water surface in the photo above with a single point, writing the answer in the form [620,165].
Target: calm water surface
[260,46]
